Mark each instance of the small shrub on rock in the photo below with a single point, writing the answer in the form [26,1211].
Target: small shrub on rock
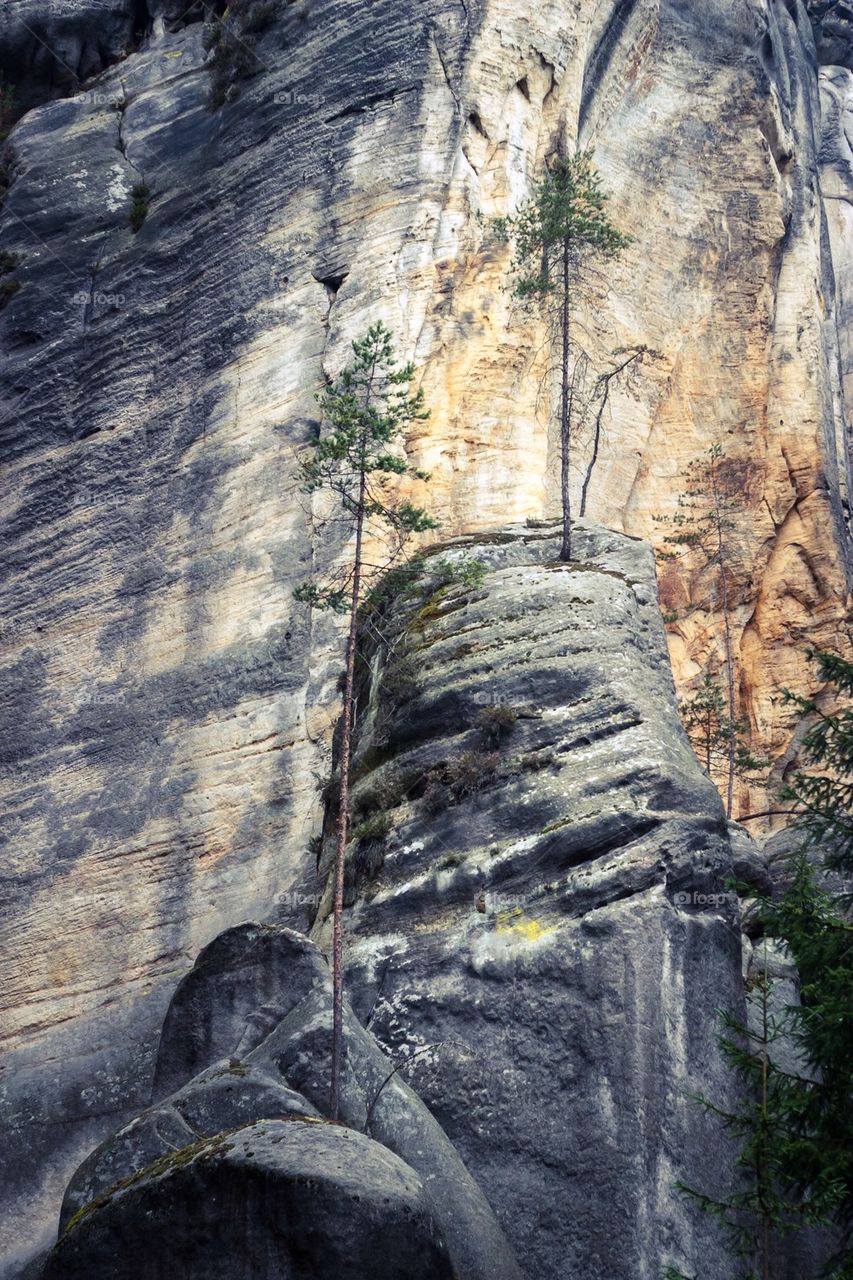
[495,723]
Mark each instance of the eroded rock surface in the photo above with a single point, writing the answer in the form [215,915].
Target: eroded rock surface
[278,1066]
[165,704]
[543,931]
[279,1200]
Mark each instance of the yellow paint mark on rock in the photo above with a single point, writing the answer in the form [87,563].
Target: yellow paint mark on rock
[520,926]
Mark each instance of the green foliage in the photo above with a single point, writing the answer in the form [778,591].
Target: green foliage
[823,793]
[141,197]
[400,679]
[9,261]
[376,827]
[795,1127]
[367,412]
[455,780]
[704,520]
[399,581]
[465,572]
[818,935]
[763,1206]
[7,165]
[557,236]
[710,730]
[7,109]
[567,213]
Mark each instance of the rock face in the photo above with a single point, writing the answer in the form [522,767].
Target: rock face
[543,932]
[280,1200]
[165,702]
[281,1069]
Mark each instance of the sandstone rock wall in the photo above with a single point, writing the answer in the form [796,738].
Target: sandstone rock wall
[165,703]
[544,932]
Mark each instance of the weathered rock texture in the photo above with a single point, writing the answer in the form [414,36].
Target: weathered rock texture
[165,702]
[277,1065]
[544,930]
[279,1200]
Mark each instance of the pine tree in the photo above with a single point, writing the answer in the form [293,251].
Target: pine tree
[703,526]
[819,1165]
[763,1207]
[710,730]
[366,412]
[557,234]
[797,1124]
[822,794]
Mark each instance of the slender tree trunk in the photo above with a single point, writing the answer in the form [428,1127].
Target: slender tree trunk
[709,738]
[596,445]
[343,825]
[565,417]
[763,1172]
[730,679]
[727,639]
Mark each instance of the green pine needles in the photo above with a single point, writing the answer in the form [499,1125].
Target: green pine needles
[358,461]
[823,793]
[713,733]
[794,1118]
[367,413]
[557,236]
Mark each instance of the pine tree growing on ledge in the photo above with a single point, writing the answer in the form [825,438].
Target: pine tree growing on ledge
[367,412]
[704,526]
[557,235]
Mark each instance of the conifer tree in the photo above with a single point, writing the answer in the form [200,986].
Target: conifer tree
[703,525]
[762,1207]
[366,413]
[557,235]
[797,1124]
[710,730]
[822,793]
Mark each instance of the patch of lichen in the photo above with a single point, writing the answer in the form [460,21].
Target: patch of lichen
[202,1149]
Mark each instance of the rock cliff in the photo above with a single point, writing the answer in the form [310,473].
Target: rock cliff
[186,275]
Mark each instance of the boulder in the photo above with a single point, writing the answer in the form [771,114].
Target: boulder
[267,992]
[240,987]
[229,1095]
[277,1200]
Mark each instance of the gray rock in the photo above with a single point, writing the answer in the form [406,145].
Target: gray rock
[165,703]
[280,1200]
[374,1098]
[749,865]
[269,991]
[240,987]
[549,934]
[227,1096]
[832,21]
